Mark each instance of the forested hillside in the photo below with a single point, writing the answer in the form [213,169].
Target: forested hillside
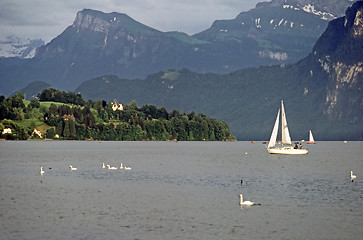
[61,115]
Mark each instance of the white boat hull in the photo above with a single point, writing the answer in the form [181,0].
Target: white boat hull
[287,151]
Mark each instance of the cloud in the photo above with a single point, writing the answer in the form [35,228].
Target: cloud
[48,18]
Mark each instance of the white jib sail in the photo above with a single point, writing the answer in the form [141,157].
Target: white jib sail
[311,138]
[284,129]
[273,137]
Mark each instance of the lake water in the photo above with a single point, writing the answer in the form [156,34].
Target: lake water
[183,190]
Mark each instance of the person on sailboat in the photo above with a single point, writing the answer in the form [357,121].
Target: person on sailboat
[296,147]
[300,145]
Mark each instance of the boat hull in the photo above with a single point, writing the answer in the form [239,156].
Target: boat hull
[287,151]
[311,142]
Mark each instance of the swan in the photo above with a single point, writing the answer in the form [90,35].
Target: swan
[41,171]
[121,167]
[244,203]
[352,176]
[103,165]
[73,168]
[127,168]
[111,168]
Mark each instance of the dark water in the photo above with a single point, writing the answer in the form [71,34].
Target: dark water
[184,190]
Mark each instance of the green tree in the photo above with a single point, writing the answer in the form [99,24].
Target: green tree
[66,129]
[34,104]
[50,133]
[133,105]
[81,132]
[20,95]
[72,128]
[59,128]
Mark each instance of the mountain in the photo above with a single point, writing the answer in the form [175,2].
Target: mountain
[32,89]
[276,32]
[338,54]
[14,46]
[322,92]
[100,43]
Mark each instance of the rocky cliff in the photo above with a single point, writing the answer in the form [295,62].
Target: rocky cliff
[339,53]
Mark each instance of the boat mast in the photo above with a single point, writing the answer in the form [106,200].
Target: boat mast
[282,122]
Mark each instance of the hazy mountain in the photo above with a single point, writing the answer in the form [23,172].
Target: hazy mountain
[14,46]
[100,43]
[322,92]
[32,89]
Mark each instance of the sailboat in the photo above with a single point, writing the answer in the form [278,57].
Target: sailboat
[285,147]
[311,138]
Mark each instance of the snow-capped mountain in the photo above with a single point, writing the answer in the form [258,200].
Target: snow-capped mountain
[326,10]
[13,46]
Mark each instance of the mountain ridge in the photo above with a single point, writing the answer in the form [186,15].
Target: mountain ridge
[112,43]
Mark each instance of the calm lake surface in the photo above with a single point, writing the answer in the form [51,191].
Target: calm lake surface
[183,190]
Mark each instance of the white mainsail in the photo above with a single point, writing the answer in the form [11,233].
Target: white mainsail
[284,129]
[311,138]
[273,137]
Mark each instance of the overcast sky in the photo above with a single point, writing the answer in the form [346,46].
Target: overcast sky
[47,19]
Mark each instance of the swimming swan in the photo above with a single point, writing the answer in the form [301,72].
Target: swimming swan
[73,168]
[111,168]
[103,165]
[352,176]
[41,171]
[125,168]
[244,203]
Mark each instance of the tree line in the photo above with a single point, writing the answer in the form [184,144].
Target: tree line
[97,120]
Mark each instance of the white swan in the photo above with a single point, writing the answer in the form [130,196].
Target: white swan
[73,168]
[352,176]
[41,171]
[103,165]
[121,167]
[111,168]
[244,203]
[127,168]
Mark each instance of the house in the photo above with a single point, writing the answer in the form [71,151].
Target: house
[7,130]
[117,106]
[37,132]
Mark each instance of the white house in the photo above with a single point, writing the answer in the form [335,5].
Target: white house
[37,132]
[6,130]
[117,106]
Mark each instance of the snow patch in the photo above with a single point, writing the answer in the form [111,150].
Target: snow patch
[323,15]
[306,91]
[280,56]
[291,7]
[257,22]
